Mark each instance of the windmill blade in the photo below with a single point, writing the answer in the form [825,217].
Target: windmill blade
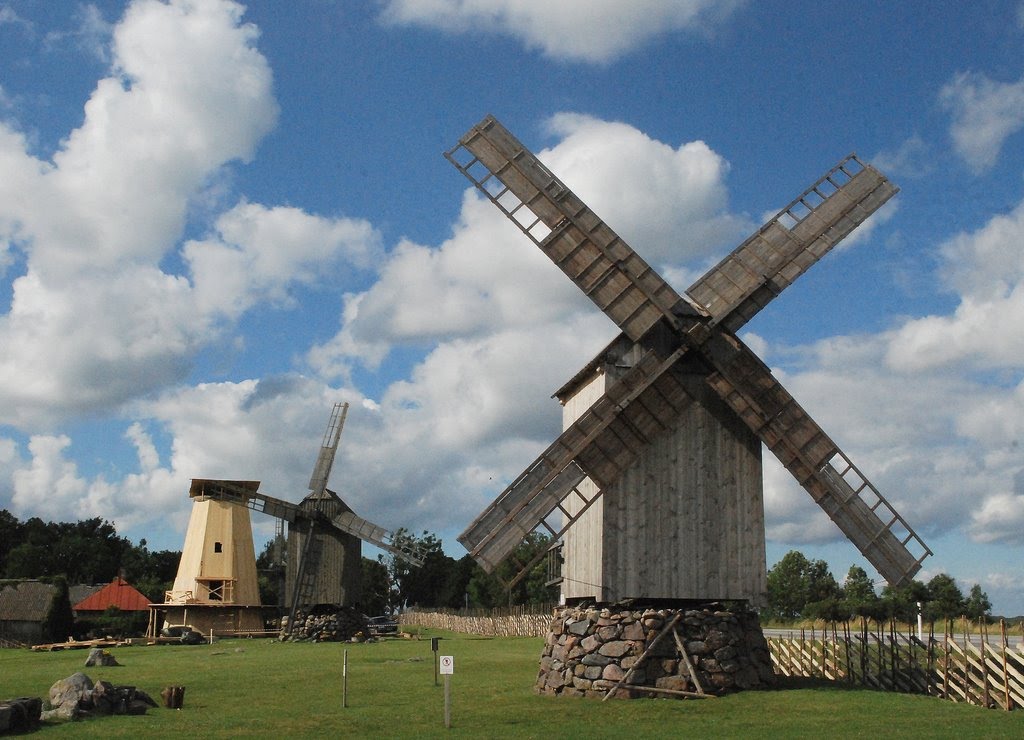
[838,487]
[367,531]
[244,493]
[602,443]
[585,248]
[784,248]
[325,460]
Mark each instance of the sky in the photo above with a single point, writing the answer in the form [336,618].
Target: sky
[219,218]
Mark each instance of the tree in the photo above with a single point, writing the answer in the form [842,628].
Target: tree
[796,583]
[488,590]
[977,606]
[945,600]
[859,596]
[374,598]
[423,585]
[901,603]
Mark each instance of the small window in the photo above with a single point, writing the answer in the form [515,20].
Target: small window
[218,547]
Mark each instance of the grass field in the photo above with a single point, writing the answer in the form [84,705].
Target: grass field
[263,688]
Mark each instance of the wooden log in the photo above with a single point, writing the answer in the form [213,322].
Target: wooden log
[674,692]
[689,663]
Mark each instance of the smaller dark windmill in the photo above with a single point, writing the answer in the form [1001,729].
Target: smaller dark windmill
[324,534]
[655,484]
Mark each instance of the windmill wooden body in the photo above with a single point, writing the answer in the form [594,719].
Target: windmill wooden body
[655,482]
[324,562]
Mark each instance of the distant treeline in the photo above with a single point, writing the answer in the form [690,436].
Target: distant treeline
[91,551]
[799,588]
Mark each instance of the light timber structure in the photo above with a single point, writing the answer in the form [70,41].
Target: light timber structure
[324,562]
[216,586]
[654,486]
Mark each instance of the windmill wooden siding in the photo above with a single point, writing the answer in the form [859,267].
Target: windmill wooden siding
[339,573]
[685,521]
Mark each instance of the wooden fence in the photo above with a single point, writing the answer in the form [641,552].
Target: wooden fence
[532,620]
[980,669]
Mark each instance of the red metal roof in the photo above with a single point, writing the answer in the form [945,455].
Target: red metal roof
[116,593]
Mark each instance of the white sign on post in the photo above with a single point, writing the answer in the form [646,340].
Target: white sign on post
[447,665]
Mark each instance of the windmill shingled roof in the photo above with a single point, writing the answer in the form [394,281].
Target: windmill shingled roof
[26,601]
[117,593]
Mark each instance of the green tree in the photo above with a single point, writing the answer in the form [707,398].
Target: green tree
[374,597]
[798,587]
[489,589]
[859,596]
[944,599]
[10,536]
[59,621]
[901,603]
[977,606]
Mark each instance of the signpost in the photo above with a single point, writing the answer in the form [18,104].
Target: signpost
[447,663]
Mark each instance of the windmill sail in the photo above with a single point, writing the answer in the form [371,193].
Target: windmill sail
[585,248]
[817,463]
[790,243]
[247,495]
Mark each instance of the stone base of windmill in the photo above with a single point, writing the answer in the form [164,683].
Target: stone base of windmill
[633,652]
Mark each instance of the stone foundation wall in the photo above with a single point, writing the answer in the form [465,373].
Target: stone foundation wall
[590,649]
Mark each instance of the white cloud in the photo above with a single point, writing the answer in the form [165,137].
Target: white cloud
[95,320]
[576,30]
[986,270]
[985,113]
[489,278]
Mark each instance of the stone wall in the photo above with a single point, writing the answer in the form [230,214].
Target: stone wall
[589,650]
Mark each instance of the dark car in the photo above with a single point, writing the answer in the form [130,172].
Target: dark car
[382,625]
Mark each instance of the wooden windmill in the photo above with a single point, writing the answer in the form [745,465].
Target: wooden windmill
[324,535]
[657,475]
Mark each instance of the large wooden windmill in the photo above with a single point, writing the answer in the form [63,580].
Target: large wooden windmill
[324,535]
[655,483]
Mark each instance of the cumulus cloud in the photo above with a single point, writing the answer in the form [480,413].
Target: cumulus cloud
[96,318]
[985,113]
[574,30]
[985,269]
[488,278]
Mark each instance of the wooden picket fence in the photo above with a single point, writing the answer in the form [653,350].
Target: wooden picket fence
[972,669]
[531,620]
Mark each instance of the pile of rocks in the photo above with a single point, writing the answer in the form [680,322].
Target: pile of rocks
[76,696]
[589,651]
[336,624]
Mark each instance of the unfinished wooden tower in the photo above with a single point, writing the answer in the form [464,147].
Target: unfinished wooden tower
[654,488]
[216,586]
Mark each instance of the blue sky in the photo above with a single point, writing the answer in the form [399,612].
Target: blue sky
[216,219]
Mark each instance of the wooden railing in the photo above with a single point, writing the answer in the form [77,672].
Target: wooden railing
[985,670]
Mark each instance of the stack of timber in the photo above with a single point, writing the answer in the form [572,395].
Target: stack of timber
[530,620]
[632,652]
[82,644]
[337,624]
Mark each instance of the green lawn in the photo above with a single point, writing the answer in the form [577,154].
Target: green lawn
[262,688]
